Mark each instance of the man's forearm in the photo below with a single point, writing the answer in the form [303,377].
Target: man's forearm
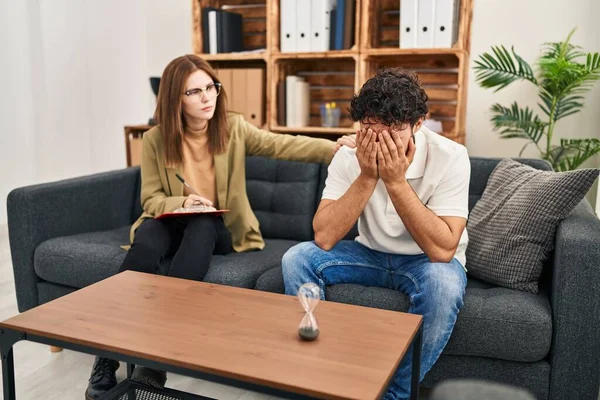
[333,221]
[428,230]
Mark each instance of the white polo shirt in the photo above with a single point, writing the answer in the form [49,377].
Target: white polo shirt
[439,175]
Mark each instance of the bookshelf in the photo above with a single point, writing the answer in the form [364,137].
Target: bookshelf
[337,75]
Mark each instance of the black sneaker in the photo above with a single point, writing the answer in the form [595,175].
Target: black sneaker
[150,377]
[103,378]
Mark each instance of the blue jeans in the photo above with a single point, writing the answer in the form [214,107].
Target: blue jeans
[435,290]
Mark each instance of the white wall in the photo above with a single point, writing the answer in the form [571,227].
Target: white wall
[169,33]
[72,74]
[527,25]
[16,100]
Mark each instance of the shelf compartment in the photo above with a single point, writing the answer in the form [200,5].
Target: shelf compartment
[335,80]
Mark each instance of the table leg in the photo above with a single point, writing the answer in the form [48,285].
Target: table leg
[416,364]
[7,340]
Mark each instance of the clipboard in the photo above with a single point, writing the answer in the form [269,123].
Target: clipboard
[177,214]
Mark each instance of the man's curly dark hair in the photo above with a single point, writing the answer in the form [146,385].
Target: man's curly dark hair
[393,97]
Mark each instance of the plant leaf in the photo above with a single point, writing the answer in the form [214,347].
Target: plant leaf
[573,152]
[563,79]
[547,100]
[516,122]
[502,68]
[561,74]
[568,105]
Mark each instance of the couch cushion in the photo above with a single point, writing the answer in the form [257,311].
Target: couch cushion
[243,269]
[283,196]
[271,281]
[482,167]
[81,260]
[495,322]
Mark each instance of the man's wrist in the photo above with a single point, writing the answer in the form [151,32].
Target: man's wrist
[397,186]
[367,181]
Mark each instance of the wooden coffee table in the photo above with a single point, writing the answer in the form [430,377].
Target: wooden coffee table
[239,337]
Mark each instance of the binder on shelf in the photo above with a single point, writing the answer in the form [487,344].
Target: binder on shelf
[303,106]
[303,26]
[239,100]
[290,100]
[349,13]
[255,96]
[332,27]
[206,30]
[222,31]
[229,29]
[287,29]
[340,14]
[446,23]
[409,16]
[212,31]
[249,94]
[426,24]
[319,29]
[224,75]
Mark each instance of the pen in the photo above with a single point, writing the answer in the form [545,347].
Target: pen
[186,184]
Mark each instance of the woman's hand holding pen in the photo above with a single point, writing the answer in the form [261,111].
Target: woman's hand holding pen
[195,200]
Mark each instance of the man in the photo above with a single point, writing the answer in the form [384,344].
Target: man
[408,188]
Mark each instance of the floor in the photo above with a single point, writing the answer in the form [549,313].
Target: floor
[41,374]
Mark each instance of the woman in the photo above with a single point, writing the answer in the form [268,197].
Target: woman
[199,140]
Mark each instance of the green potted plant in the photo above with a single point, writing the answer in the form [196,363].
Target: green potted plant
[564,73]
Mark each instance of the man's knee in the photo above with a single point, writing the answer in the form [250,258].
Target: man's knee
[445,284]
[298,265]
[298,257]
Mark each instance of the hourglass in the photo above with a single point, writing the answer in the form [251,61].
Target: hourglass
[309,295]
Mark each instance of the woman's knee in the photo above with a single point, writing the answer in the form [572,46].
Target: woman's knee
[152,231]
[205,223]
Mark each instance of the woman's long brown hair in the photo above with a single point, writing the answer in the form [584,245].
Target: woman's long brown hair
[169,108]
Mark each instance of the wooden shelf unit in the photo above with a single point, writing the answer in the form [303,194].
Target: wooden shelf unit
[337,75]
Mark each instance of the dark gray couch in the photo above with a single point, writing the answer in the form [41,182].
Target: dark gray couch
[66,235]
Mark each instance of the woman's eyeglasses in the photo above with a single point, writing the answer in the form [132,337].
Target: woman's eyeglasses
[211,91]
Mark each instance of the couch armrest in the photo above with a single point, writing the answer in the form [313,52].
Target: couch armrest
[68,207]
[575,352]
